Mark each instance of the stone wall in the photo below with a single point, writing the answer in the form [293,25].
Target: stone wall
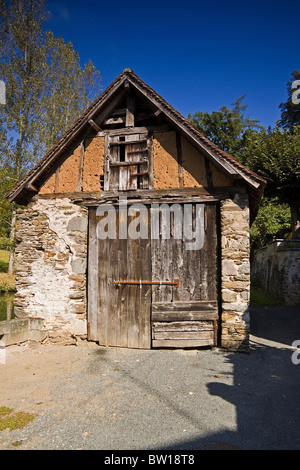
[276,268]
[50,264]
[235,273]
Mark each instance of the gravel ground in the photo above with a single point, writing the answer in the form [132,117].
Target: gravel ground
[89,397]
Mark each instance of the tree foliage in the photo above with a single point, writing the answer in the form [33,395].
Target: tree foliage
[275,155]
[46,90]
[46,87]
[21,45]
[226,128]
[70,90]
[272,221]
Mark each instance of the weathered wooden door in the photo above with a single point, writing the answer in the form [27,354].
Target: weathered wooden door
[156,287]
[186,316]
[119,314]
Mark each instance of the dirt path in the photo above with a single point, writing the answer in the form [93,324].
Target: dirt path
[89,397]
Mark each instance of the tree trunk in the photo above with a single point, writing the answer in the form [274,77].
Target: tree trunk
[295,215]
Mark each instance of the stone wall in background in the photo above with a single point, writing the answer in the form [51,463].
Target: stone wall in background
[235,273]
[50,264]
[276,269]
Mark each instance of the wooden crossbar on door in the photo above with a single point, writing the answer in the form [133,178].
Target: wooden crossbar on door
[152,283]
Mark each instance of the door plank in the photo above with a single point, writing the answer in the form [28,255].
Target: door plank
[103,292]
[92,296]
[145,291]
[121,304]
[177,315]
[132,291]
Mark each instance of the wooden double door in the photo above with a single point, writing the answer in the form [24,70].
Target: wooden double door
[152,275]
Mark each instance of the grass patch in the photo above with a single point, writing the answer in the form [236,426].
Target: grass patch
[4,260]
[260,297]
[7,281]
[11,420]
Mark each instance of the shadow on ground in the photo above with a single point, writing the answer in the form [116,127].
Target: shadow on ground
[265,389]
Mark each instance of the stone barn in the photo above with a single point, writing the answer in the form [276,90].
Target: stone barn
[134,230]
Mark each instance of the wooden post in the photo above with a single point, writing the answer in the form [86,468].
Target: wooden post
[179,159]
[56,190]
[130,110]
[79,183]
[208,173]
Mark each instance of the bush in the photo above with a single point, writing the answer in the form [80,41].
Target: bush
[272,221]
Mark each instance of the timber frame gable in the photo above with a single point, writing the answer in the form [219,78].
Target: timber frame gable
[101,118]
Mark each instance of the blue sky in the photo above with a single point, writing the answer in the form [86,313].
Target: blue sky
[198,55]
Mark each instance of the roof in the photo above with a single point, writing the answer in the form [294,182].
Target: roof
[101,108]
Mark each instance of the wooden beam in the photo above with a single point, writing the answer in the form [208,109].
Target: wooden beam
[57,179]
[128,142]
[31,187]
[135,130]
[79,183]
[209,177]
[185,343]
[115,120]
[110,107]
[94,125]
[121,119]
[150,159]
[183,200]
[130,111]
[133,163]
[158,113]
[179,159]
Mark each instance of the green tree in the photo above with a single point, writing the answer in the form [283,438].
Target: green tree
[226,128]
[290,110]
[275,155]
[20,59]
[272,221]
[70,90]
[46,89]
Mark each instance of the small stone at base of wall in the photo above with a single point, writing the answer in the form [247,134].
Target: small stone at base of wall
[237,345]
[63,338]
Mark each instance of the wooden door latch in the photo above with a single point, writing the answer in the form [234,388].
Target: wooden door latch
[152,283]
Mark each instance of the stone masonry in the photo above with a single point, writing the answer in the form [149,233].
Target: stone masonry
[51,267]
[235,273]
[50,264]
